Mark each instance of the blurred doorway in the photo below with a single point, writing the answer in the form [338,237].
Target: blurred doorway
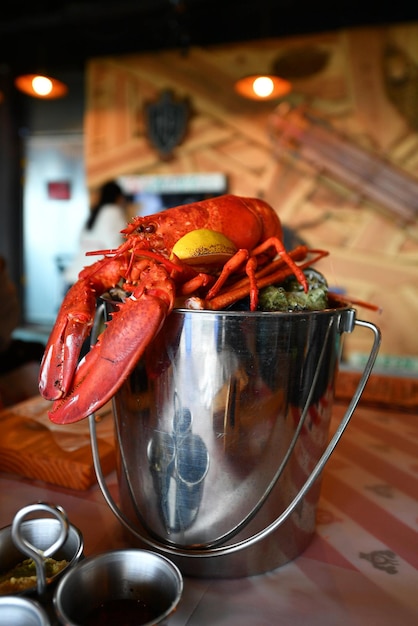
[55,205]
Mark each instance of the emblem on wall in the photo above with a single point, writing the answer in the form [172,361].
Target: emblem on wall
[166,122]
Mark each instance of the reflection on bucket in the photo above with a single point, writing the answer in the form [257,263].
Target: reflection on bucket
[178,463]
[161,450]
[223,431]
[192,464]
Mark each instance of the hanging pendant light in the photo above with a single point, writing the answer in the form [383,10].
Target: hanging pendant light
[41,86]
[263,87]
[289,67]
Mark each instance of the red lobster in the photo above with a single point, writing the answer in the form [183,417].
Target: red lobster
[146,269]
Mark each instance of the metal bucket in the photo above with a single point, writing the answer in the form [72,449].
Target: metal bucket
[222,434]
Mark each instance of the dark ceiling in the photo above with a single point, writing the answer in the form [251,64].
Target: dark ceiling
[64,33]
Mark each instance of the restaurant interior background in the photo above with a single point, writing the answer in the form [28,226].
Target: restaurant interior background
[354,77]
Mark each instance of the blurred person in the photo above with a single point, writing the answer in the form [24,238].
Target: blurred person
[101,230]
[108,216]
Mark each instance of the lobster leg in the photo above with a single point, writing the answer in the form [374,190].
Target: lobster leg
[279,270]
[283,254]
[251,266]
[271,274]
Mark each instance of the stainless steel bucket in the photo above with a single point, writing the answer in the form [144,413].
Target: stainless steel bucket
[222,434]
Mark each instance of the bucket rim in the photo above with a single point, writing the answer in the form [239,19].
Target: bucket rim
[337,308]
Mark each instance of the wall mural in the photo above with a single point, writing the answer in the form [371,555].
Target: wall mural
[361,83]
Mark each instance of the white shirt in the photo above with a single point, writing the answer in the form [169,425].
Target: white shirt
[104,235]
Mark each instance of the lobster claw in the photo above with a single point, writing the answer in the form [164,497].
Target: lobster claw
[65,342]
[110,361]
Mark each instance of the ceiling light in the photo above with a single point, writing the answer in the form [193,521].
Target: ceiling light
[41,86]
[262,87]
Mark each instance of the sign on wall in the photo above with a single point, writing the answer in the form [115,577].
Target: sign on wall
[153,193]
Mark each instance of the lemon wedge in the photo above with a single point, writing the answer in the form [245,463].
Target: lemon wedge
[204,247]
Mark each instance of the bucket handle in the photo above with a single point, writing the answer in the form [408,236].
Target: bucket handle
[245,543]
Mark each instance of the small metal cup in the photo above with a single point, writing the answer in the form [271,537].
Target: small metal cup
[102,583]
[19,611]
[37,537]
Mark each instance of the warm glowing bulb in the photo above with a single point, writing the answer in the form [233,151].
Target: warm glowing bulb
[263,86]
[42,85]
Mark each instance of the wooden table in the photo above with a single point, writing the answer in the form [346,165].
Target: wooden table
[361,567]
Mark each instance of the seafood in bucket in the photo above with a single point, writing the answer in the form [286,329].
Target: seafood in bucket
[208,254]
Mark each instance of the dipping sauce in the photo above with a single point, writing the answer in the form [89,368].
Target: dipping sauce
[23,575]
[123,612]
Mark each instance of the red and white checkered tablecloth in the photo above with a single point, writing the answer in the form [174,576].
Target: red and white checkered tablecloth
[361,567]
